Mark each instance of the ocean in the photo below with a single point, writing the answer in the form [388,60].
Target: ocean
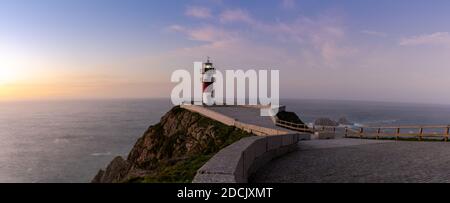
[69,141]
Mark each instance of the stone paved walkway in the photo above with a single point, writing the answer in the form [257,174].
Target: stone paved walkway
[355,161]
[247,115]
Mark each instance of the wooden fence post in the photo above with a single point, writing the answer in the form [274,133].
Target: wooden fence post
[398,133]
[361,132]
[378,133]
[447,133]
[420,134]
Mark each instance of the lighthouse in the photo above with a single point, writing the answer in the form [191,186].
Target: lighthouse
[208,80]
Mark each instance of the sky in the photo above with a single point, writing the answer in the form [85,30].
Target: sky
[380,50]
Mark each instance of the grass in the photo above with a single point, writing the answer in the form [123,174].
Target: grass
[182,172]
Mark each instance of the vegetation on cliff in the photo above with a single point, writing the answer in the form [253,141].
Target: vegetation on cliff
[172,150]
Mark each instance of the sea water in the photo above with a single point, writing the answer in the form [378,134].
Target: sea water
[69,141]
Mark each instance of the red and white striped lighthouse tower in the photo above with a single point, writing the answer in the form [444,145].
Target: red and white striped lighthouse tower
[208,80]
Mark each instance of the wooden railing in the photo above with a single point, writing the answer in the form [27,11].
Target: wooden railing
[255,129]
[419,132]
[304,127]
[294,126]
[397,132]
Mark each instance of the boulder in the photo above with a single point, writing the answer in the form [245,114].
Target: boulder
[344,121]
[325,122]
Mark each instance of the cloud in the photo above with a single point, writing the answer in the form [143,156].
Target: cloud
[438,39]
[288,4]
[374,33]
[324,37]
[176,28]
[308,50]
[320,41]
[207,33]
[198,12]
[210,34]
[236,15]
[322,34]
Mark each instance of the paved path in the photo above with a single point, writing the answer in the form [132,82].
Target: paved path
[354,160]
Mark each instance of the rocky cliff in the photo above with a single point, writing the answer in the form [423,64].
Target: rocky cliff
[172,150]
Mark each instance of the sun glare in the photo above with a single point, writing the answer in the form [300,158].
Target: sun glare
[6,75]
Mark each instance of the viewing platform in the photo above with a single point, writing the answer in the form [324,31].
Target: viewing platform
[239,161]
[347,160]
[284,151]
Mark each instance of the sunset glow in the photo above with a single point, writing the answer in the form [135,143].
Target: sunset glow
[58,50]
[223,91]
[6,76]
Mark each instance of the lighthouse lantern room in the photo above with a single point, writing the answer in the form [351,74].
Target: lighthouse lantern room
[208,71]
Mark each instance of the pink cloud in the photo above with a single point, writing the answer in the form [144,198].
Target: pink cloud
[318,47]
[209,33]
[438,38]
[177,28]
[374,33]
[322,39]
[235,15]
[198,12]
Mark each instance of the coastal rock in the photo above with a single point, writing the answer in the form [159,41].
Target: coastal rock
[289,117]
[325,122]
[172,150]
[344,121]
[116,170]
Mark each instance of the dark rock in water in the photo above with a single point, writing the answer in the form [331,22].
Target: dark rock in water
[116,170]
[344,121]
[172,150]
[325,122]
[289,117]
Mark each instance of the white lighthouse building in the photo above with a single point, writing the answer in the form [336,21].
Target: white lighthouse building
[208,71]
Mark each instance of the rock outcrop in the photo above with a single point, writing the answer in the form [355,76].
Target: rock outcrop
[344,121]
[325,122]
[289,117]
[172,150]
[330,122]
